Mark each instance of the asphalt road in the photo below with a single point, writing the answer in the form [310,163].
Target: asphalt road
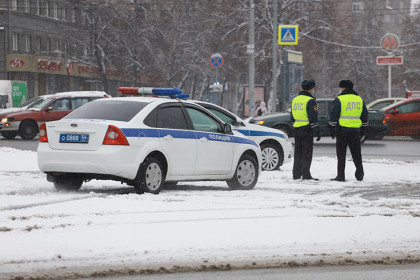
[351,272]
[395,148]
[400,148]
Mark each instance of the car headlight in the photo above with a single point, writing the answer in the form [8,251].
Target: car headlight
[6,120]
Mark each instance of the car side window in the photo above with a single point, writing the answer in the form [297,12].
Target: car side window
[202,121]
[222,116]
[79,101]
[61,104]
[416,107]
[151,119]
[171,117]
[406,108]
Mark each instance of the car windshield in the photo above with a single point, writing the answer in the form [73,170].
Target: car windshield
[28,102]
[116,110]
[380,105]
[41,104]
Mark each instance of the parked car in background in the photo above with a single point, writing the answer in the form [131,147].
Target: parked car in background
[145,142]
[24,106]
[25,123]
[376,129]
[275,145]
[403,118]
[379,104]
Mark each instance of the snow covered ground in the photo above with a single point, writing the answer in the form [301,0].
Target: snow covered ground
[107,229]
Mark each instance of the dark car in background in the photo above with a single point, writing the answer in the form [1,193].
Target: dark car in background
[376,129]
[403,118]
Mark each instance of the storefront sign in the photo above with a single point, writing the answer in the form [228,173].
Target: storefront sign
[48,65]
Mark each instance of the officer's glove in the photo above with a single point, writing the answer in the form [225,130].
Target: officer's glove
[332,132]
[362,131]
[317,133]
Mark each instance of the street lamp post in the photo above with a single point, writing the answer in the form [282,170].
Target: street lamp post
[251,66]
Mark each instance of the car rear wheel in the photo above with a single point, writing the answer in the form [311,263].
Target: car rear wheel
[150,178]
[28,130]
[272,158]
[8,134]
[246,174]
[67,183]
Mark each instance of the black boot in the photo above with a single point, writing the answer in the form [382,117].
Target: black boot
[337,179]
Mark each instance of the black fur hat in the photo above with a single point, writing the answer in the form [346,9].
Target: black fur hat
[308,84]
[345,84]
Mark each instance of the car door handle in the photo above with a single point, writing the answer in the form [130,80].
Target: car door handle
[204,139]
[168,137]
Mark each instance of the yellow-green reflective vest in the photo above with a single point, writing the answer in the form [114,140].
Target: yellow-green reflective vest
[299,110]
[351,110]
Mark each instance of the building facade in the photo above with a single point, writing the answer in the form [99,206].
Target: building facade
[37,46]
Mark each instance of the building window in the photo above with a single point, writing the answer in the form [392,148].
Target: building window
[43,7]
[26,6]
[64,12]
[357,6]
[37,7]
[14,5]
[49,45]
[15,42]
[27,42]
[38,44]
[55,10]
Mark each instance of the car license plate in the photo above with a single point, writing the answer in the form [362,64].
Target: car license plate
[74,138]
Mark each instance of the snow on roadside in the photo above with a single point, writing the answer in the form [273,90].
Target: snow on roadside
[200,224]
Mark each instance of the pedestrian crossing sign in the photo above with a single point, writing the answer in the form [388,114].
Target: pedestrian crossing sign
[288,34]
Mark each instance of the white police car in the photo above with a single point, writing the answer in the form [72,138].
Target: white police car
[275,145]
[145,141]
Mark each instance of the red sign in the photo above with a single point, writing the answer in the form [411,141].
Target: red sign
[70,68]
[16,62]
[50,65]
[390,42]
[389,60]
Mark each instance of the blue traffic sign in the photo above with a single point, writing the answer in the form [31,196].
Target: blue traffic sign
[288,34]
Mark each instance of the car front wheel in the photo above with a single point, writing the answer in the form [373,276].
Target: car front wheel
[8,134]
[272,158]
[150,178]
[246,174]
[28,130]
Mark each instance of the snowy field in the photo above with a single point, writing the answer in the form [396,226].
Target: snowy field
[107,229]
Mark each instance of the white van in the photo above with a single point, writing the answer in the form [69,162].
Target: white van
[12,93]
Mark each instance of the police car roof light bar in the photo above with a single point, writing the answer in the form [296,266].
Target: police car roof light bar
[128,90]
[150,91]
[182,96]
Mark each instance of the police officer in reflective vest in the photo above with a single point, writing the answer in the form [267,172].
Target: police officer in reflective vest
[348,121]
[305,123]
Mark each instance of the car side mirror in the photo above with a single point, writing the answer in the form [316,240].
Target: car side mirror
[227,128]
[49,109]
[395,112]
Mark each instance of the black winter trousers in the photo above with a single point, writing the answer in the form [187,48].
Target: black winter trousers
[352,140]
[304,142]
